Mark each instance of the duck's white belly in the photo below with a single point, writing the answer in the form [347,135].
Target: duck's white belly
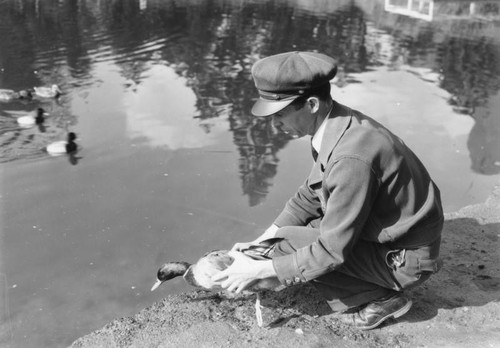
[57,148]
[26,121]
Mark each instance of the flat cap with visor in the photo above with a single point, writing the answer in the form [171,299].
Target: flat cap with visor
[284,77]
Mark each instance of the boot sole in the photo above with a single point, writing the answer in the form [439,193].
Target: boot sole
[399,313]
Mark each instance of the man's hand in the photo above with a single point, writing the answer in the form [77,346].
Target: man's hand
[243,272]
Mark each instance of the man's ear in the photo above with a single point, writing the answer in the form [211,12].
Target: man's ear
[313,103]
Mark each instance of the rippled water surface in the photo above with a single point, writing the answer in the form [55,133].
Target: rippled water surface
[170,162]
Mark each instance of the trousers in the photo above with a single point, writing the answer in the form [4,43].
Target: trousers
[371,270]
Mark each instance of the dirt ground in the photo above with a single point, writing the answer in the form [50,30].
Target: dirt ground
[458,307]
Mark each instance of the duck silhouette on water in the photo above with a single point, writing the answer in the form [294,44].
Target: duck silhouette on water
[200,273]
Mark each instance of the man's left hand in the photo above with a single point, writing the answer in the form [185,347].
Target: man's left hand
[243,272]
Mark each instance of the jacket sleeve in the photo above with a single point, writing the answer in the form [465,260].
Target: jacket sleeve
[352,187]
[300,209]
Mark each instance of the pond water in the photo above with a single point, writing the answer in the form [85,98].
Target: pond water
[170,162]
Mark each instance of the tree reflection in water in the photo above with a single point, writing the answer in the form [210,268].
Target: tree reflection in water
[468,67]
[213,45]
[257,145]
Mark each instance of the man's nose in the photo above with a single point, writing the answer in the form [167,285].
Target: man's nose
[275,125]
[275,122]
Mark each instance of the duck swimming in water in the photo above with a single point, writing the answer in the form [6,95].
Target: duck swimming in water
[31,120]
[48,92]
[200,273]
[63,146]
[7,95]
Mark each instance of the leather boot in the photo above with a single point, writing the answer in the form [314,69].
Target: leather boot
[376,312]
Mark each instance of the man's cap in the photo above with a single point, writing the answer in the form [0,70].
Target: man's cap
[284,77]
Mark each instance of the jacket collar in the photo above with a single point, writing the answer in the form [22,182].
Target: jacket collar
[337,123]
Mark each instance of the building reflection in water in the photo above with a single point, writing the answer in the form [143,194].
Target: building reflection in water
[484,138]
[467,70]
[430,10]
[468,63]
[422,9]
[257,145]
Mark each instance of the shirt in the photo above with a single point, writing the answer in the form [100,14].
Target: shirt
[366,183]
[318,136]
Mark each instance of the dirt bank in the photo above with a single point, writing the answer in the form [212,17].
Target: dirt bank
[458,307]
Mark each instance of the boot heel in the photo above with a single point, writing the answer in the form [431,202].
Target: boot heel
[403,310]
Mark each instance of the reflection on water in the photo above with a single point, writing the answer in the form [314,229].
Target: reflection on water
[258,145]
[484,139]
[162,108]
[214,63]
[159,93]
[431,10]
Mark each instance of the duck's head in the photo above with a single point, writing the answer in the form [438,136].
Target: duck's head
[40,115]
[169,271]
[56,89]
[71,146]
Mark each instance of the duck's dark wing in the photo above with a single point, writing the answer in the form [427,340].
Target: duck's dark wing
[263,250]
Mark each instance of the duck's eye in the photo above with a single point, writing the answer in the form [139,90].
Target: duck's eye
[162,275]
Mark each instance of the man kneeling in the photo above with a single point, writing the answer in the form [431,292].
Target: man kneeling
[366,224]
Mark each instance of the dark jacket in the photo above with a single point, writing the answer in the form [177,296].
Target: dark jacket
[366,183]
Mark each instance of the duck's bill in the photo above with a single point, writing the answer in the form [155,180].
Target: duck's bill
[156,285]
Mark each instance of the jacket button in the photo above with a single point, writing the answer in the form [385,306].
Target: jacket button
[297,280]
[288,282]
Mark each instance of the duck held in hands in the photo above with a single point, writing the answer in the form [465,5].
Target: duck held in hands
[200,273]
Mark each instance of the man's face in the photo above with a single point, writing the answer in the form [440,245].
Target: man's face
[295,119]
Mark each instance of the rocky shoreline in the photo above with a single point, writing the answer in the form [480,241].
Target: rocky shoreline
[458,307]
